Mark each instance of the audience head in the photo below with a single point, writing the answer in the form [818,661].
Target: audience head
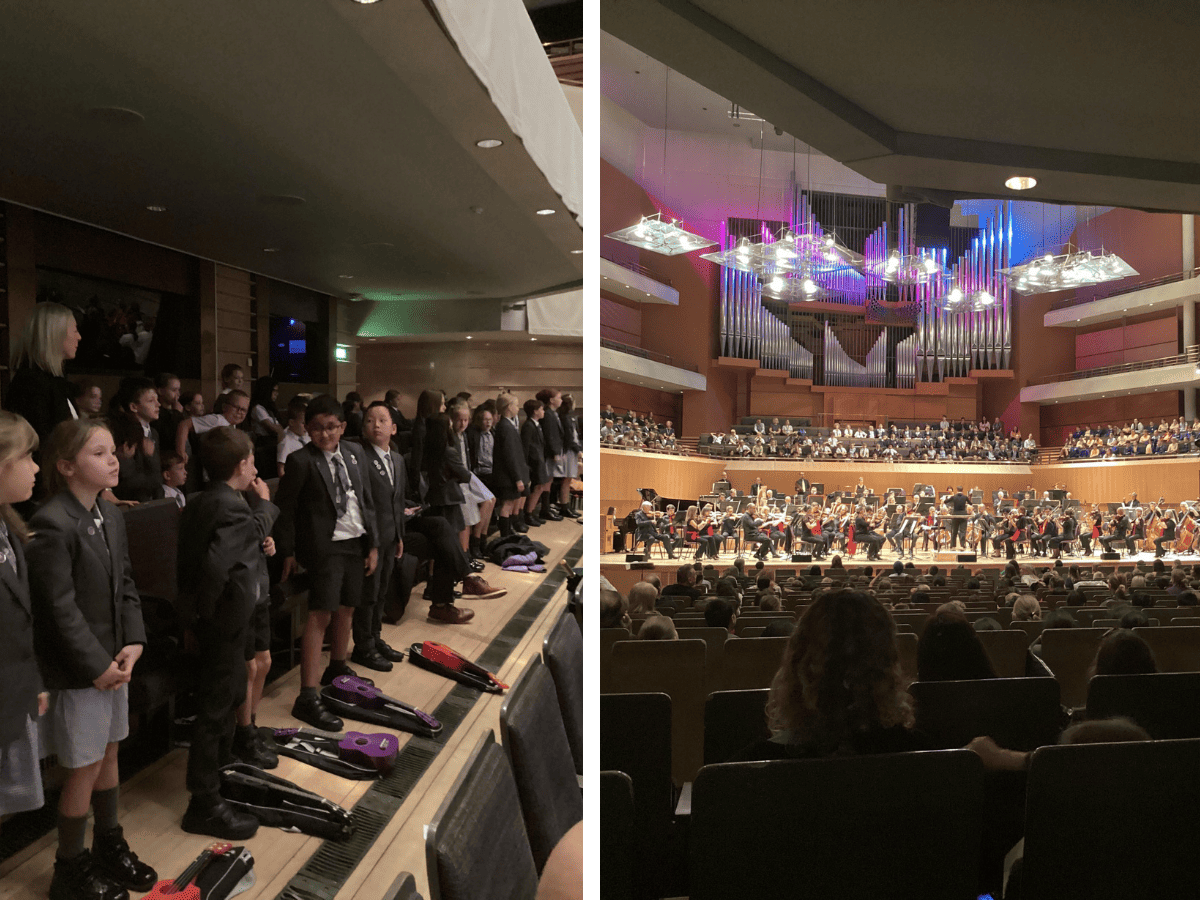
[840,674]
[234,405]
[1059,618]
[168,387]
[658,628]
[137,397]
[769,600]
[80,449]
[430,403]
[642,597]
[614,610]
[192,403]
[686,575]
[1026,609]
[1123,653]
[232,376]
[720,613]
[50,336]
[1116,730]
[779,628]
[551,398]
[950,650]
[174,469]
[227,455]
[18,440]
[324,421]
[264,393]
[91,397]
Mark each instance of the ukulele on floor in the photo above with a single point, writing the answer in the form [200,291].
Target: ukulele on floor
[184,887]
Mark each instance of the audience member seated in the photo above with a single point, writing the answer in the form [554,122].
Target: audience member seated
[642,598]
[1123,653]
[684,586]
[658,628]
[949,649]
[721,613]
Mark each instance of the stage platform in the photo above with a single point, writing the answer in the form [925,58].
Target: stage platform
[506,632]
[623,575]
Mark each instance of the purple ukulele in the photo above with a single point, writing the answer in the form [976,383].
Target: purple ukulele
[353,755]
[354,698]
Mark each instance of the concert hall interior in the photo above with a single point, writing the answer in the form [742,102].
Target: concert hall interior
[890,282]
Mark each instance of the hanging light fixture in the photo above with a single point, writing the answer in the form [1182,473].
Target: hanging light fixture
[654,233]
[907,268]
[1071,269]
[802,287]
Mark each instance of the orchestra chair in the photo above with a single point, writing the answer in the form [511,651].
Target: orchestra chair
[562,651]
[476,846]
[1006,650]
[733,720]
[816,830]
[635,738]
[1135,803]
[751,664]
[1018,713]
[404,888]
[1166,704]
[608,637]
[674,668]
[532,732]
[1068,652]
[1176,649]
[616,836]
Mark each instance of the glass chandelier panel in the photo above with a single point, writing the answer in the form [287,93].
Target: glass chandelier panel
[1065,271]
[659,235]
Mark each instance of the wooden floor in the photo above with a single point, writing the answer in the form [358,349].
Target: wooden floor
[152,802]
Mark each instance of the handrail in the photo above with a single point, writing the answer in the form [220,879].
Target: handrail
[645,354]
[639,269]
[1087,297]
[1190,355]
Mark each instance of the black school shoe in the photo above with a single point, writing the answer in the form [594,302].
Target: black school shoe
[114,860]
[370,657]
[336,668]
[388,652]
[250,749]
[309,709]
[79,879]
[219,819]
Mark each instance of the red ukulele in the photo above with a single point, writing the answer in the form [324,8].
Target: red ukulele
[184,887]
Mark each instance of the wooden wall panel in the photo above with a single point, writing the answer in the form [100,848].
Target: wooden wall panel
[1061,419]
[665,405]
[481,367]
[619,322]
[1128,342]
[1105,482]
[233,302]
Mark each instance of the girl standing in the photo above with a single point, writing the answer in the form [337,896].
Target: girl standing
[90,635]
[23,699]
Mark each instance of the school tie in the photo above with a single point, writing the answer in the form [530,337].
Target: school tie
[391,472]
[6,549]
[341,481]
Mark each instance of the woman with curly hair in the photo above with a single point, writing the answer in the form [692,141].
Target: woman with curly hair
[839,690]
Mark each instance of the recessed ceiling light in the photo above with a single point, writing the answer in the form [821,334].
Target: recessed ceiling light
[468,337]
[371,339]
[489,143]
[366,2]
[270,249]
[533,339]
[478,210]
[345,276]
[576,252]
[546,212]
[1020,183]
[155,208]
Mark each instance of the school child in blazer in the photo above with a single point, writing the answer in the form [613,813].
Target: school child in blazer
[510,472]
[23,699]
[89,629]
[327,524]
[533,443]
[220,600]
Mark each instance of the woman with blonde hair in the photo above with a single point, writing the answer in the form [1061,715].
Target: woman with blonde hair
[1026,609]
[39,392]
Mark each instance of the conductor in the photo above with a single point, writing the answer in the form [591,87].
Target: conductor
[958,503]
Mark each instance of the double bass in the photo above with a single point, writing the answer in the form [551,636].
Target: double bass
[1185,533]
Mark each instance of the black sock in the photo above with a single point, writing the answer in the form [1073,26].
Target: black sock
[104,804]
[71,830]
[309,692]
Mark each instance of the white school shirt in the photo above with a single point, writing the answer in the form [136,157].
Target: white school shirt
[350,524]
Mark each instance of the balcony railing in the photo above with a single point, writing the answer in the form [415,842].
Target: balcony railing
[640,270]
[1191,355]
[646,354]
[1089,295]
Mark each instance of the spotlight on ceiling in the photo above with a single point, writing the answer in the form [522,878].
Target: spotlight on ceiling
[1020,183]
[156,208]
[545,212]
[489,143]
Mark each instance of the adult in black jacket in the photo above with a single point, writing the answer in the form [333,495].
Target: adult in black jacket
[751,534]
[430,403]
[552,447]
[648,532]
[1119,533]
[444,473]
[864,535]
[1168,534]
[958,523]
[510,471]
[571,450]
[535,457]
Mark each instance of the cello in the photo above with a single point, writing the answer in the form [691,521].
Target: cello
[1185,533]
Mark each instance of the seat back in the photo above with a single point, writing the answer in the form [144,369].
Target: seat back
[714,653]
[733,720]
[1018,713]
[818,831]
[906,644]
[531,729]
[1006,650]
[403,888]
[635,738]
[153,537]
[616,836]
[563,652]
[751,664]
[1069,653]
[1166,704]
[1176,649]
[608,637]
[476,846]
[1135,802]
[674,668]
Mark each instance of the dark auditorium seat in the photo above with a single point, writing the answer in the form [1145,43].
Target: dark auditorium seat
[1166,704]
[476,847]
[1176,649]
[751,663]
[1018,713]
[404,888]
[1112,821]
[563,652]
[1006,650]
[733,720]
[898,826]
[616,836]
[532,732]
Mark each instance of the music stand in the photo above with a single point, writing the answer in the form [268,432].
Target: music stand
[818,486]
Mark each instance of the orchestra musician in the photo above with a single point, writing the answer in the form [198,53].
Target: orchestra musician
[751,534]
[815,536]
[1168,534]
[802,486]
[1065,536]
[702,528]
[1119,533]
[1040,537]
[1091,529]
[929,530]
[646,522]
[863,534]
[668,528]
[984,524]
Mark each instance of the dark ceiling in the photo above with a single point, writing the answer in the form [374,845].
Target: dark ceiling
[943,101]
[338,135]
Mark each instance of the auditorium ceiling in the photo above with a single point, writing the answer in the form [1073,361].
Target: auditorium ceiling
[945,101]
[326,143]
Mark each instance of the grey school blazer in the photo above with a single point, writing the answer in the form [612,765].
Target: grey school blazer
[19,671]
[85,605]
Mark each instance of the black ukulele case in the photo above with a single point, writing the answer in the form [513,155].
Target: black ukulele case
[278,803]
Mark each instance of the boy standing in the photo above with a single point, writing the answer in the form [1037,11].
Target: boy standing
[220,536]
[294,436]
[326,522]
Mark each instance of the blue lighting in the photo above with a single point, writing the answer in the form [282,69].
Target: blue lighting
[291,321]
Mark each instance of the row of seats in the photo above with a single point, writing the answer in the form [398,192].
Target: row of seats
[809,826]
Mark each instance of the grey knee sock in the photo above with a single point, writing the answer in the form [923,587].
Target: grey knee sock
[104,805]
[70,835]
